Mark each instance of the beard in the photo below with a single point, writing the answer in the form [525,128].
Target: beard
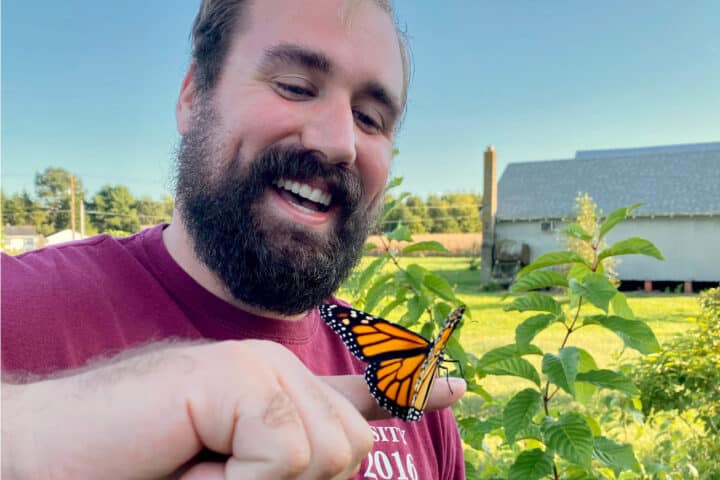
[262,260]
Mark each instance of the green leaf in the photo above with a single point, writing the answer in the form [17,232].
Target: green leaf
[596,289]
[371,270]
[634,333]
[578,271]
[620,306]
[616,217]
[477,389]
[519,412]
[427,246]
[631,246]
[415,308]
[552,258]
[414,275]
[473,430]
[619,456]
[586,362]
[578,473]
[528,329]
[439,286]
[393,182]
[539,279]
[531,465]
[369,247]
[561,369]
[608,379]
[570,437]
[585,391]
[399,300]
[390,206]
[515,367]
[535,302]
[400,234]
[507,351]
[576,231]
[379,290]
[594,425]
[441,310]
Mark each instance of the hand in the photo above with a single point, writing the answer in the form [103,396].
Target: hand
[148,416]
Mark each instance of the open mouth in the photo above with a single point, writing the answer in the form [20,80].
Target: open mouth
[303,195]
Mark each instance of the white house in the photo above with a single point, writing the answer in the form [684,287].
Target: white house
[679,186]
[63,236]
[22,238]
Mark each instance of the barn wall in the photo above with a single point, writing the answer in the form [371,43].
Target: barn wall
[691,246]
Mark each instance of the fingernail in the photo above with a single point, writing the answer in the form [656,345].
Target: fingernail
[457,382]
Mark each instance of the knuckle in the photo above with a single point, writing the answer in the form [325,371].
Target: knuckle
[294,459]
[337,460]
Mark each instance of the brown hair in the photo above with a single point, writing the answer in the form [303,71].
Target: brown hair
[212,33]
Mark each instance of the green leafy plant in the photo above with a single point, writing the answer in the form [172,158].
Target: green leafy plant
[683,382]
[405,291]
[547,426]
[587,217]
[544,431]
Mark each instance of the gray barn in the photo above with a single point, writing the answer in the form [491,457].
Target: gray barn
[679,187]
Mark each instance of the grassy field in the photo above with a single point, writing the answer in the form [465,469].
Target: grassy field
[489,326]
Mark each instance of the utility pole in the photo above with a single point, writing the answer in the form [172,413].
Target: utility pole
[72,205]
[82,218]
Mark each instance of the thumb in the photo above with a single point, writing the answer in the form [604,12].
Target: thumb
[444,393]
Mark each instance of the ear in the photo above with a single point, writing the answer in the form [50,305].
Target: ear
[185,102]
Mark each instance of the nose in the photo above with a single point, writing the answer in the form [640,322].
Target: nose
[330,130]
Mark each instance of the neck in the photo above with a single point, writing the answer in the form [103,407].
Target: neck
[179,244]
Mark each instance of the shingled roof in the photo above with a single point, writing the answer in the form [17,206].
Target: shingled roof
[668,180]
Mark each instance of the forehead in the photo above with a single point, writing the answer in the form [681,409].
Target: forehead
[358,36]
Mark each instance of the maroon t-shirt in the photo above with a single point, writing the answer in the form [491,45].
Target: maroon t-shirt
[64,305]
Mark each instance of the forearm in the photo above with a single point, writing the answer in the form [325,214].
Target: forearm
[87,425]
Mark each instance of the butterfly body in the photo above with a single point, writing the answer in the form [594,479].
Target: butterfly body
[402,365]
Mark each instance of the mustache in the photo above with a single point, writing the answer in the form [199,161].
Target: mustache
[297,163]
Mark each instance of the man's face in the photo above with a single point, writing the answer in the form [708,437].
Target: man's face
[284,162]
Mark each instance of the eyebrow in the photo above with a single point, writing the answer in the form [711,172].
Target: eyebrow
[291,54]
[294,54]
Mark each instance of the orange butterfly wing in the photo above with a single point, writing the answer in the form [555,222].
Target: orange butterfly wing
[402,365]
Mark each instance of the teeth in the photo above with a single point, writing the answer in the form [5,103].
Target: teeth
[305,191]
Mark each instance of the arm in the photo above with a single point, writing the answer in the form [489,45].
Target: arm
[148,415]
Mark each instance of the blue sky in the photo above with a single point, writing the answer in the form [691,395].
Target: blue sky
[91,86]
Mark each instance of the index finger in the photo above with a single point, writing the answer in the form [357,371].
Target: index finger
[355,389]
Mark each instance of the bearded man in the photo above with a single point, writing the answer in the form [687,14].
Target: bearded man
[195,349]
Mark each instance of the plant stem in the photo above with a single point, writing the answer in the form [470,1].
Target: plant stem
[547,397]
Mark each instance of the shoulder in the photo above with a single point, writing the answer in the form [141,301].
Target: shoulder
[44,267]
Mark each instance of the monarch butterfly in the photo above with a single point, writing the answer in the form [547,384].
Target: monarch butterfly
[402,365]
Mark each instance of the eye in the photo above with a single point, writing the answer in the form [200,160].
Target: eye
[294,88]
[371,123]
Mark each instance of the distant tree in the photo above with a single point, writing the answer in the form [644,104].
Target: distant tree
[114,210]
[439,212]
[21,209]
[151,212]
[168,203]
[405,213]
[52,188]
[464,208]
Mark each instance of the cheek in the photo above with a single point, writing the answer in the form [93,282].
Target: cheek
[374,169]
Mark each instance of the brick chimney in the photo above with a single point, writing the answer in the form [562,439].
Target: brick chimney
[489,208]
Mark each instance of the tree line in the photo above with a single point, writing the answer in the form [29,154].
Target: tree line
[113,209]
